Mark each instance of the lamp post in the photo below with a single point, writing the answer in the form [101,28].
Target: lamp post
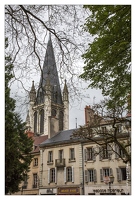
[111,180]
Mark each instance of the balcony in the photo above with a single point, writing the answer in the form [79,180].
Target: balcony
[60,162]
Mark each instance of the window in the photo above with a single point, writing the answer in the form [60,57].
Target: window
[72,154]
[90,175]
[35,178]
[60,121]
[52,175]
[60,155]
[105,152]
[41,121]
[69,174]
[104,130]
[50,157]
[105,172]
[35,162]
[89,154]
[53,113]
[118,152]
[121,173]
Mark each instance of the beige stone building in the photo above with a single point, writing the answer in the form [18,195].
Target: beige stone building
[61,172]
[71,166]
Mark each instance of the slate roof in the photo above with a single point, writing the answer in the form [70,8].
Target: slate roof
[50,74]
[63,137]
[60,137]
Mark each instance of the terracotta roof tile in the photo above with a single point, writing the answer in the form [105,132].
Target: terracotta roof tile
[38,140]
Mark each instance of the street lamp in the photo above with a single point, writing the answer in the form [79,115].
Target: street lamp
[111,180]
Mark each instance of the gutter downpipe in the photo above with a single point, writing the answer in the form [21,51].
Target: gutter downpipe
[83,188]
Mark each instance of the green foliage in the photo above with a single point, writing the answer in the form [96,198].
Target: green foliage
[17,144]
[108,57]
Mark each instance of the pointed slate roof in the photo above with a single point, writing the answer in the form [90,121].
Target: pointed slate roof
[50,74]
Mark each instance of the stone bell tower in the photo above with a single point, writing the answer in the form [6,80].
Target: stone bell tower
[48,110]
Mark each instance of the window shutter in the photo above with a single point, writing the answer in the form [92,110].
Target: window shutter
[95,177]
[48,175]
[118,174]
[72,174]
[74,153]
[86,176]
[100,153]
[94,156]
[85,154]
[55,174]
[48,156]
[101,175]
[70,154]
[52,156]
[129,175]
[65,175]
[111,172]
[116,150]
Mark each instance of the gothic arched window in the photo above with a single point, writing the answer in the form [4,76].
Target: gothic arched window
[60,120]
[35,122]
[53,113]
[41,121]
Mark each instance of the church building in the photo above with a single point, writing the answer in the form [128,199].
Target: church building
[48,108]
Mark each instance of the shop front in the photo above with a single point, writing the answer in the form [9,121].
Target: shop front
[68,191]
[115,190]
[48,191]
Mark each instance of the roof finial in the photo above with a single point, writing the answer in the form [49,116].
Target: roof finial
[49,22]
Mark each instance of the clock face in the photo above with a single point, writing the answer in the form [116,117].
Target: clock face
[53,113]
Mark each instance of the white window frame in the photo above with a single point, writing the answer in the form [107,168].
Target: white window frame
[50,156]
[35,162]
[35,180]
[106,171]
[69,174]
[72,154]
[93,175]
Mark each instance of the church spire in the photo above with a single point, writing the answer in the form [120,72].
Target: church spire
[50,73]
[65,92]
[32,93]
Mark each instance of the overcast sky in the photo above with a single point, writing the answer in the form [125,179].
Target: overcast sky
[77,111]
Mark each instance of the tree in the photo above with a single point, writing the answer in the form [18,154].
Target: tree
[109,129]
[28,27]
[17,144]
[108,57]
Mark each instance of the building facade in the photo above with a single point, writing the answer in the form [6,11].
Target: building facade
[73,167]
[61,171]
